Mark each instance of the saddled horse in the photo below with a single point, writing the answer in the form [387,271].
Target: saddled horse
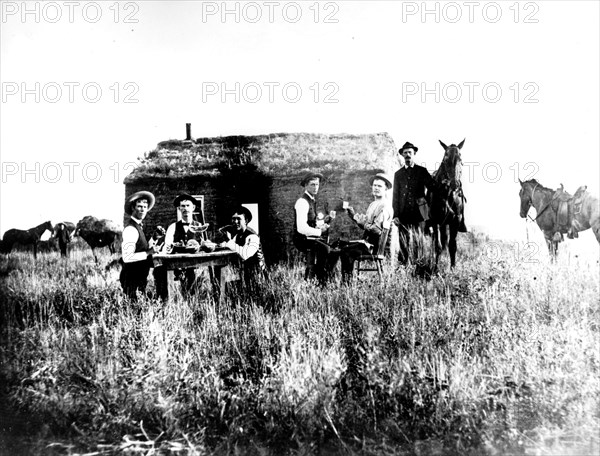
[447,202]
[543,199]
[25,237]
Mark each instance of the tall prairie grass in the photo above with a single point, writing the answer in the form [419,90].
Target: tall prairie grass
[498,356]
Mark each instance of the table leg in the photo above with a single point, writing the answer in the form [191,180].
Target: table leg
[218,282]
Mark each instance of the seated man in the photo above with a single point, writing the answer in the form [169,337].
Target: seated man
[245,242]
[309,232]
[184,236]
[379,216]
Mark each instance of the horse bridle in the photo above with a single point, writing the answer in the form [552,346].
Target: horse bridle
[531,204]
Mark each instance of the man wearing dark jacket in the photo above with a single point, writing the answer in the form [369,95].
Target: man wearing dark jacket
[408,201]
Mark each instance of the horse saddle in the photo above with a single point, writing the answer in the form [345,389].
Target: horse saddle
[566,207]
[561,207]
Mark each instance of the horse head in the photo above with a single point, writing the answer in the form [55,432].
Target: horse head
[526,195]
[451,167]
[47,226]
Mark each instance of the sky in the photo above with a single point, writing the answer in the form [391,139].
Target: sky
[88,87]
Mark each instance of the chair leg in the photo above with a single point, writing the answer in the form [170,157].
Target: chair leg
[379,269]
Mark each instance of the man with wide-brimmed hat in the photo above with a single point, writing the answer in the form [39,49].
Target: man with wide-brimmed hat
[185,235]
[245,242]
[136,250]
[374,222]
[410,206]
[309,231]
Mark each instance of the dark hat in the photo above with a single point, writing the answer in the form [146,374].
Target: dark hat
[310,176]
[245,212]
[408,145]
[185,197]
[136,196]
[383,177]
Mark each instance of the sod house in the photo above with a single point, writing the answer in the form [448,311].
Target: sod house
[264,170]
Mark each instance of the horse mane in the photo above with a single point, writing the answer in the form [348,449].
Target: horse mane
[537,184]
[445,168]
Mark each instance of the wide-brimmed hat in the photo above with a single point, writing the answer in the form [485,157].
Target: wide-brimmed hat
[185,197]
[310,176]
[136,196]
[408,145]
[384,177]
[245,212]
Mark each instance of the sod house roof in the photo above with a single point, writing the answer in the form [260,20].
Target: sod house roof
[275,154]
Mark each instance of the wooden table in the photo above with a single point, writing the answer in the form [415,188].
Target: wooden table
[217,261]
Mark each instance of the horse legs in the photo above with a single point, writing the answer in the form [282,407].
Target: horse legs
[35,250]
[452,244]
[441,242]
[552,245]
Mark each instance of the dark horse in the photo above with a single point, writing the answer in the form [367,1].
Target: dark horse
[447,203]
[544,199]
[25,237]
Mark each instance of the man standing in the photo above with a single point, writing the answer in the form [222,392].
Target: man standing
[63,231]
[183,235]
[135,249]
[409,203]
[307,234]
[245,242]
[374,222]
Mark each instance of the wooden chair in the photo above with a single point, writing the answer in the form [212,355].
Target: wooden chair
[376,257]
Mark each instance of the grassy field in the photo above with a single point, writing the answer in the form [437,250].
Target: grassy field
[499,356]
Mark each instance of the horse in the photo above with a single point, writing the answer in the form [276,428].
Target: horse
[99,233]
[25,237]
[586,213]
[447,202]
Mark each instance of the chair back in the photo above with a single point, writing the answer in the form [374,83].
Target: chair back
[383,238]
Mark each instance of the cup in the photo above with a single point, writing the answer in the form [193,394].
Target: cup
[345,205]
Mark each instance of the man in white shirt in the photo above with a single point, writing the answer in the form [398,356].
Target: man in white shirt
[309,231]
[378,217]
[183,236]
[245,242]
[135,249]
